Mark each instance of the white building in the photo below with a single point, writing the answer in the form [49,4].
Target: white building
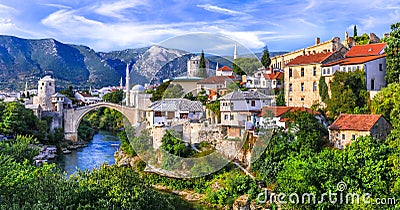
[240,111]
[84,98]
[166,111]
[224,71]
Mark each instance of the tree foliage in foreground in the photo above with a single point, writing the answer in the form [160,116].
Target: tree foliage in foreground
[392,51]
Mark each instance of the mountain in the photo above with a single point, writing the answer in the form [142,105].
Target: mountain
[26,60]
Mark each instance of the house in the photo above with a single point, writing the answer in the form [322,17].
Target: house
[351,126]
[84,98]
[279,62]
[240,111]
[164,112]
[218,84]
[189,84]
[224,71]
[302,75]
[273,116]
[273,80]
[370,58]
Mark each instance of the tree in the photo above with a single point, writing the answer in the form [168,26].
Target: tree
[174,145]
[16,119]
[115,97]
[362,40]
[173,91]
[355,31]
[392,51]
[348,93]
[280,98]
[265,59]
[69,93]
[159,92]
[202,96]
[323,89]
[237,70]
[202,66]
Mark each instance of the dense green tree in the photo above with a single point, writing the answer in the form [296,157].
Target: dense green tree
[202,66]
[392,51]
[174,91]
[355,31]
[323,89]
[115,97]
[159,92]
[265,59]
[249,65]
[214,106]
[16,119]
[280,98]
[202,96]
[237,69]
[348,93]
[362,40]
[173,144]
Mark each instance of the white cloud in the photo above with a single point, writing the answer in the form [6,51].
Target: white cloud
[116,9]
[7,9]
[58,6]
[221,10]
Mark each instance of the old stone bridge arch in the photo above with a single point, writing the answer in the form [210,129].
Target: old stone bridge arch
[73,117]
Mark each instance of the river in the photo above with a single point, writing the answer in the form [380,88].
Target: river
[97,152]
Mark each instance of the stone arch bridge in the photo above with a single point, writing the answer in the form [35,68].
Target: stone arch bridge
[73,117]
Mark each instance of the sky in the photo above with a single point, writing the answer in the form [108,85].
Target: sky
[108,25]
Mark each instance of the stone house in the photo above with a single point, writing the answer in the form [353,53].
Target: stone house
[349,127]
[166,111]
[240,111]
[302,75]
[370,57]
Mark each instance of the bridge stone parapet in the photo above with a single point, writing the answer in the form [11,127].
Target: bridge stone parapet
[73,117]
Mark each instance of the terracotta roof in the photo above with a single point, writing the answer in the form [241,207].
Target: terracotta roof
[224,68]
[216,80]
[85,94]
[357,122]
[365,50]
[279,111]
[277,75]
[309,59]
[355,60]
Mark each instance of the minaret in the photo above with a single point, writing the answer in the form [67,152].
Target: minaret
[216,68]
[235,52]
[120,83]
[26,89]
[127,84]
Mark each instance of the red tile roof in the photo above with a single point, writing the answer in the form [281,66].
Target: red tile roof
[356,122]
[366,50]
[277,75]
[309,59]
[216,80]
[279,111]
[355,60]
[224,68]
[85,94]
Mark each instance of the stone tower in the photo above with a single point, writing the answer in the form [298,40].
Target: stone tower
[46,88]
[193,66]
[127,84]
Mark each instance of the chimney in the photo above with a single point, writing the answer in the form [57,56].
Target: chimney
[317,41]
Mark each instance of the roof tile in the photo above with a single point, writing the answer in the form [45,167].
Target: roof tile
[357,122]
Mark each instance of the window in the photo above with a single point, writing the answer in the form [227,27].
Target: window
[290,99]
[348,69]
[157,114]
[343,136]
[353,136]
[314,71]
[302,72]
[232,117]
[226,117]
[315,86]
[380,67]
[328,70]
[253,103]
[343,68]
[302,87]
[372,84]
[323,71]
[50,84]
[302,99]
[290,73]
[290,87]
[354,68]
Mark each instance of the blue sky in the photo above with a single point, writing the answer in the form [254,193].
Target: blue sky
[113,25]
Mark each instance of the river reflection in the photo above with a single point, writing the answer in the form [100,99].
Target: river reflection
[98,151]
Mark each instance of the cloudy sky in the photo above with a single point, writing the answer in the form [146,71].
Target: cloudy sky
[107,25]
